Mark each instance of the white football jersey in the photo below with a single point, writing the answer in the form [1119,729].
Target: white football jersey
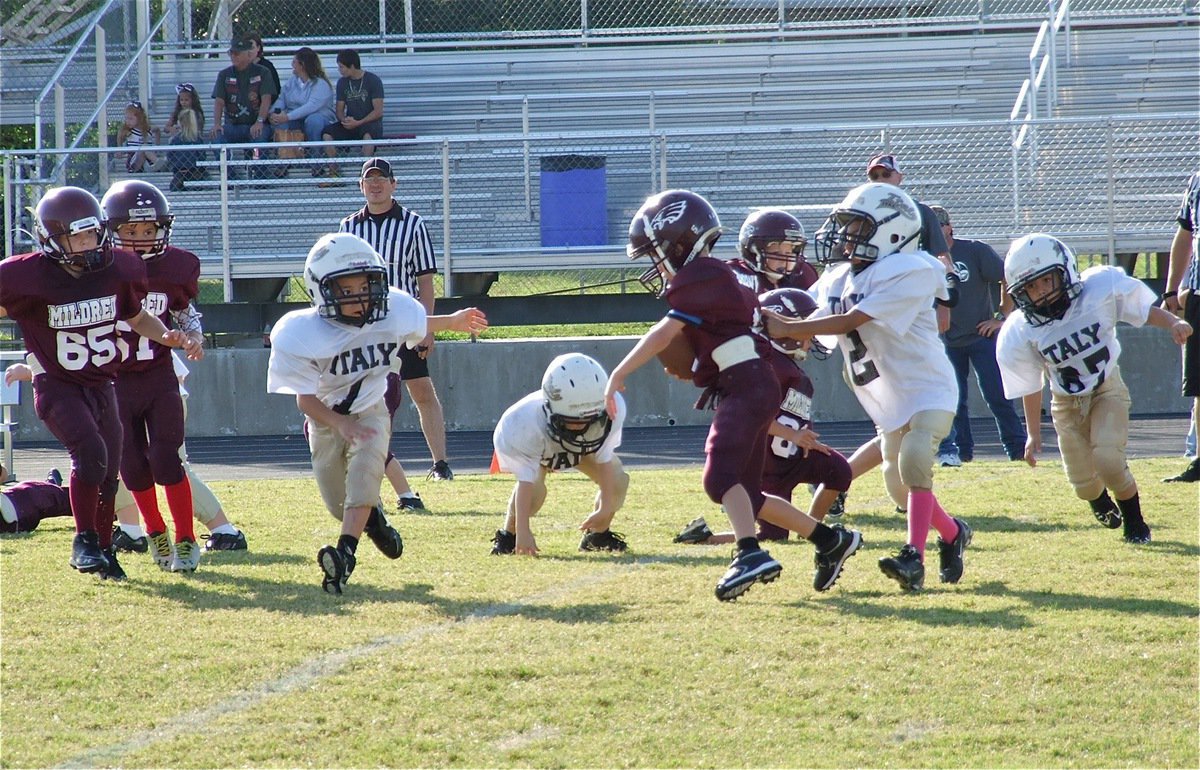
[346,367]
[896,363]
[1077,351]
[523,442]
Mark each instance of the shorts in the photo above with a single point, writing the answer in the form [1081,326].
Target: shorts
[1191,348]
[412,366]
[340,133]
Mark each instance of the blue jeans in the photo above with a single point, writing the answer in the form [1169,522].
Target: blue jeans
[981,355]
[231,133]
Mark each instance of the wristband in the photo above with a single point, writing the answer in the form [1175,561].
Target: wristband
[1169,294]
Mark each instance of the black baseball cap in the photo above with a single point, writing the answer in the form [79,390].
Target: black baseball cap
[376,164]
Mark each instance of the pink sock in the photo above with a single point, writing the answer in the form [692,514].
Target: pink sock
[920,512]
[946,526]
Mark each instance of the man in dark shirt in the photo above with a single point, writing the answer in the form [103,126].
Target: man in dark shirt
[242,97]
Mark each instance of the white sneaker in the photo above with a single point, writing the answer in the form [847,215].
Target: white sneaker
[187,556]
[161,549]
[949,460]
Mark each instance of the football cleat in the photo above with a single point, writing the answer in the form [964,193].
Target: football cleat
[54,477]
[187,556]
[440,472]
[384,535]
[603,541]
[1190,474]
[113,571]
[123,542]
[411,502]
[949,460]
[1137,533]
[746,569]
[695,532]
[838,508]
[504,542]
[1110,517]
[223,541]
[829,563]
[905,568]
[161,549]
[337,565]
[86,555]
[950,555]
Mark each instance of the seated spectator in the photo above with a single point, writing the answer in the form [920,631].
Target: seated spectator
[242,97]
[186,98]
[134,133]
[306,101]
[184,164]
[359,106]
[260,58]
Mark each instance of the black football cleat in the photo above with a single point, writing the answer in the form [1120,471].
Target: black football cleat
[114,570]
[384,535]
[905,568]
[603,541]
[838,508]
[504,542]
[746,569]
[337,565]
[54,477]
[86,555]
[1109,517]
[411,502]
[1190,474]
[1137,532]
[223,541]
[829,564]
[950,555]
[123,542]
[697,531]
[440,472]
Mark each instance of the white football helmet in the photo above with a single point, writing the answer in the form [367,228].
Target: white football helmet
[1028,259]
[338,255]
[573,400]
[873,221]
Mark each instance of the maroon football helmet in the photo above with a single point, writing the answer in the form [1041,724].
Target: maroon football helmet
[791,303]
[671,228]
[133,200]
[64,211]
[767,226]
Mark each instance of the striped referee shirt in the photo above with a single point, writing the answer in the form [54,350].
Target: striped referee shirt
[400,237]
[1187,218]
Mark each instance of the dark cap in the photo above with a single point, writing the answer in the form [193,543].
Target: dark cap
[376,164]
[943,216]
[886,160]
[241,45]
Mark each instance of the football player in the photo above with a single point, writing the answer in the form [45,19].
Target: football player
[562,426]
[676,230]
[334,358]
[1066,332]
[795,454]
[771,253]
[67,299]
[23,506]
[877,298]
[139,219]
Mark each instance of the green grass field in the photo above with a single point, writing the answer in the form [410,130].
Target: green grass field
[1062,647]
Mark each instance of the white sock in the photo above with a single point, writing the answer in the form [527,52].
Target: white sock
[133,530]
[8,511]
[224,529]
[408,495]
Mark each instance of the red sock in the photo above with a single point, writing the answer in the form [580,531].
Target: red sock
[946,526]
[179,500]
[147,503]
[920,512]
[84,499]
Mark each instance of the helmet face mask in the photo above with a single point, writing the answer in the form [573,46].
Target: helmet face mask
[346,280]
[772,241]
[1042,277]
[62,216]
[671,228]
[573,402]
[792,303]
[132,202]
[874,221]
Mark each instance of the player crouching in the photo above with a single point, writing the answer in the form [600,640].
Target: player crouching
[335,358]
[563,426]
[1066,332]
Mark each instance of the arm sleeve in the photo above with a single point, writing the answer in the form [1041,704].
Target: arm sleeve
[291,374]
[1020,369]
[420,253]
[318,97]
[898,299]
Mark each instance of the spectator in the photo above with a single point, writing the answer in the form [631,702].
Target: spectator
[306,101]
[359,106]
[134,133]
[1182,297]
[184,164]
[186,98]
[971,343]
[242,97]
[260,58]
[400,237]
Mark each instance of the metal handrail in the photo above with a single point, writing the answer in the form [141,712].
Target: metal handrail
[37,106]
[1038,69]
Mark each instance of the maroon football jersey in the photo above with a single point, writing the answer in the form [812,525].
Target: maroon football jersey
[795,407]
[802,277]
[173,281]
[34,501]
[69,323]
[714,308]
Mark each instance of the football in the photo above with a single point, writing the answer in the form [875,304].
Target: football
[677,358]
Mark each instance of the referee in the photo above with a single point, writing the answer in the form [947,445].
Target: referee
[400,237]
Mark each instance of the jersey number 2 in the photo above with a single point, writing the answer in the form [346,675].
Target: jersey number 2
[862,369]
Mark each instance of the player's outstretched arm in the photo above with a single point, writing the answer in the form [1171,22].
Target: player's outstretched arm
[18,373]
[349,428]
[650,345]
[470,320]
[1031,404]
[149,326]
[1178,328]
[795,328]
[523,497]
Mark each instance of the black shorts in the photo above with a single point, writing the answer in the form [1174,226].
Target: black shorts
[412,366]
[1191,348]
[340,133]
